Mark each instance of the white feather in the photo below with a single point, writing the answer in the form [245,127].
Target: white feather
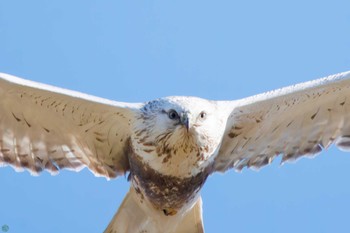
[45,127]
[294,121]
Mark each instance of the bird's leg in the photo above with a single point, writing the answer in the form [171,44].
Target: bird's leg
[139,215]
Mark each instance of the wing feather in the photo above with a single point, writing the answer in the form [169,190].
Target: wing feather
[49,128]
[295,121]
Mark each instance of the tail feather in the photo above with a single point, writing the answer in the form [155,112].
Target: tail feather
[136,216]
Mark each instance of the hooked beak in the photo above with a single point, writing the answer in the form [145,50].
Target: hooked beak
[185,120]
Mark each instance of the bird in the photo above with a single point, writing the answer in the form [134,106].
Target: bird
[167,147]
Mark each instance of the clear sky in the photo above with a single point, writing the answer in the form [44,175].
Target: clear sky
[135,51]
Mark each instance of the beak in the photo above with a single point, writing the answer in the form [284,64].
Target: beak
[185,120]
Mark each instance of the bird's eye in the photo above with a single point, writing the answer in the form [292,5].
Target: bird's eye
[203,115]
[173,114]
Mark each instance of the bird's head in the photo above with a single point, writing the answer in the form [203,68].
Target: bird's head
[176,126]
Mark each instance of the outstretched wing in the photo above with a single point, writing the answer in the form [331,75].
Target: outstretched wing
[296,121]
[45,127]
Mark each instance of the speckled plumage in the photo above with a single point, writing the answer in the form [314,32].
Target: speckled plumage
[169,145]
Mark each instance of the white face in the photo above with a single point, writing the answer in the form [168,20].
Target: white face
[179,131]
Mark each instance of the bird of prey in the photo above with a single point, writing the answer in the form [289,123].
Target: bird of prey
[168,146]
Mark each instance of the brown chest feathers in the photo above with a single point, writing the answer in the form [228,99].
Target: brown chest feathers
[166,193]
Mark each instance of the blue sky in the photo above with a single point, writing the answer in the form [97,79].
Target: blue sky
[135,51]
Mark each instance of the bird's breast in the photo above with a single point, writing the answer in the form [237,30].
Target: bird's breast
[168,193]
[181,158]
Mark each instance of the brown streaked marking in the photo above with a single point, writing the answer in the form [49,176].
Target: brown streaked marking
[169,212]
[206,148]
[142,140]
[60,159]
[166,158]
[102,140]
[37,159]
[148,150]
[258,137]
[4,150]
[47,130]
[138,133]
[342,103]
[110,152]
[275,129]
[98,133]
[233,135]
[290,123]
[17,119]
[315,114]
[58,104]
[148,144]
[164,191]
[29,125]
